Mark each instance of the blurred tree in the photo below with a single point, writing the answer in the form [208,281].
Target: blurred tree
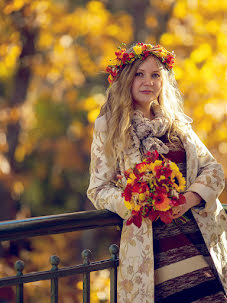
[197,32]
[51,55]
[51,90]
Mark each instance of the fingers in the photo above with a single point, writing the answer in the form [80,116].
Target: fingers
[178,211]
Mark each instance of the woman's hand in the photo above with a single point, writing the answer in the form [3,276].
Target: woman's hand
[192,199]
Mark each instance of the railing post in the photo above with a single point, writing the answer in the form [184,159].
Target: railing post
[86,255]
[113,274]
[19,266]
[54,261]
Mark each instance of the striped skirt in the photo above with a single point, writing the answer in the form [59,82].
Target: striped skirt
[184,271]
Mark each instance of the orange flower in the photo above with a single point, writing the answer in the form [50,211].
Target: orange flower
[161,202]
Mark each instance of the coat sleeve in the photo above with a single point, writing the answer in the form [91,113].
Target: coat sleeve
[210,180]
[102,191]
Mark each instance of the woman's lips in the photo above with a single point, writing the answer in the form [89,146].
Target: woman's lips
[146,91]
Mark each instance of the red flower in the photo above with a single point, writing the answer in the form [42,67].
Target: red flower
[182,199]
[144,47]
[125,58]
[127,192]
[140,167]
[152,157]
[153,215]
[166,216]
[140,187]
[114,73]
[148,211]
[162,171]
[136,219]
[178,201]
[146,54]
[109,69]
[161,190]
[120,53]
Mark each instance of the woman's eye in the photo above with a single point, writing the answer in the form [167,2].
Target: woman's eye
[155,75]
[139,74]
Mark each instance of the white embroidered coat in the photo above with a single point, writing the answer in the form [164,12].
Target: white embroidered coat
[204,176]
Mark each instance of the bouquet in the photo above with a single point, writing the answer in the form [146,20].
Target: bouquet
[153,188]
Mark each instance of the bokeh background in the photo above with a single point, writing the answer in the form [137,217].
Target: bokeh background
[53,54]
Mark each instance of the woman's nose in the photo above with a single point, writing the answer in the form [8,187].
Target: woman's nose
[148,81]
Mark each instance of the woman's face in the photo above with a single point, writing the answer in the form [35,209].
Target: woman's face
[147,83]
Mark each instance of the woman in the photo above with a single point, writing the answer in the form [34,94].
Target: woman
[178,262]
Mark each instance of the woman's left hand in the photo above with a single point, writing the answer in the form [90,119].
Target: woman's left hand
[192,199]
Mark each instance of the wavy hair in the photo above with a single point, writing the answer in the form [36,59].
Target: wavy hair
[119,108]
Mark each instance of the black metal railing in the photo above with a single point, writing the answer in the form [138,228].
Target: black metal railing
[21,229]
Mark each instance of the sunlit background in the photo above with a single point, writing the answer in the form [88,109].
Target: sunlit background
[53,55]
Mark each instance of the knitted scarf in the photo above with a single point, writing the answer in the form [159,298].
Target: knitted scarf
[147,132]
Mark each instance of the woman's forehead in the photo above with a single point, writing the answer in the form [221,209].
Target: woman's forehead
[149,63]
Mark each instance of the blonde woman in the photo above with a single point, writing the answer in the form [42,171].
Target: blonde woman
[186,260]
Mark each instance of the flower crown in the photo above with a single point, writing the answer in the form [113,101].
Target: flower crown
[140,51]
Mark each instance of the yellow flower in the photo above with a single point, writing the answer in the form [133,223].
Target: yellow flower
[142,197]
[180,180]
[149,46]
[128,205]
[173,166]
[150,166]
[137,49]
[137,207]
[142,167]
[166,187]
[161,178]
[131,178]
[157,163]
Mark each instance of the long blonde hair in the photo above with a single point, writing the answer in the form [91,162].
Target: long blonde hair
[118,109]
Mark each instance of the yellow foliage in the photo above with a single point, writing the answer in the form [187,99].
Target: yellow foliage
[221,41]
[10,58]
[46,40]
[100,286]
[180,10]
[93,114]
[201,53]
[15,5]
[178,72]
[167,39]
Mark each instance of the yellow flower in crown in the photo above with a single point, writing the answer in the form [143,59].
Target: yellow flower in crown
[138,49]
